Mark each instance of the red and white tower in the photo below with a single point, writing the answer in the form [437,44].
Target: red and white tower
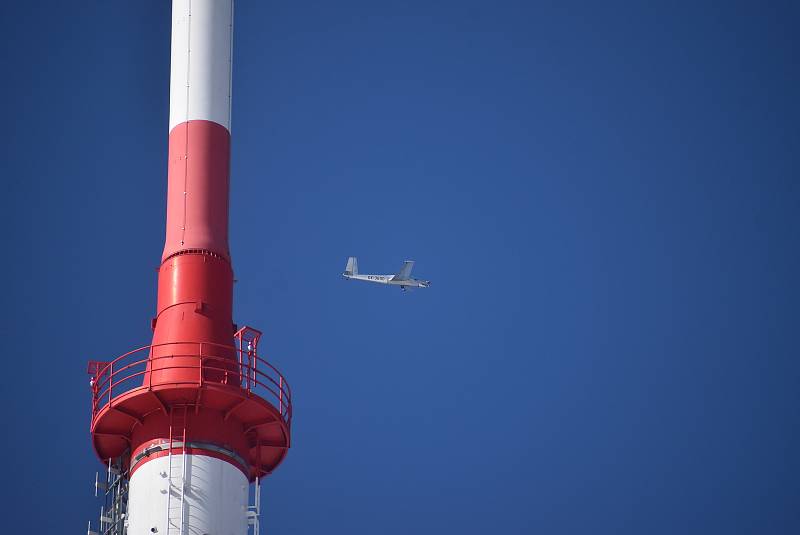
[186,423]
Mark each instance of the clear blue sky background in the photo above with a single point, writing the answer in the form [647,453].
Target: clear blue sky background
[604,194]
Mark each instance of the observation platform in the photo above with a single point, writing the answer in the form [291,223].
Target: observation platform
[243,405]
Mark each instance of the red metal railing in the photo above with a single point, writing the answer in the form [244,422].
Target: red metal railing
[135,369]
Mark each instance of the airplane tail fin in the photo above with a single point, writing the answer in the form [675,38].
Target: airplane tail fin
[352,266]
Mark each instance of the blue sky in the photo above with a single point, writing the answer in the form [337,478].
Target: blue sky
[605,197]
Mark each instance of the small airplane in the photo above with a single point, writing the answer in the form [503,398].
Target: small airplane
[402,278]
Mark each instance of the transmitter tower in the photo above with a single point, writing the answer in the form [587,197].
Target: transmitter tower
[186,424]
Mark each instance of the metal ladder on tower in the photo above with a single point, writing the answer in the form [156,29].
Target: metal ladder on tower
[254,511]
[173,527]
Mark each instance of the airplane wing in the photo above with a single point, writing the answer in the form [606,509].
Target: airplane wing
[405,271]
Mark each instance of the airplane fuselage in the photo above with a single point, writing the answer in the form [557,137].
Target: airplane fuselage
[387,279]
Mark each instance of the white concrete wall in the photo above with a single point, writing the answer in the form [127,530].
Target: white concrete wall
[215,500]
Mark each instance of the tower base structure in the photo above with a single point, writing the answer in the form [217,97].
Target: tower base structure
[186,452]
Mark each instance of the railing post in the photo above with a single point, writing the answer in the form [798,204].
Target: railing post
[254,366]
[200,365]
[110,381]
[250,366]
[280,394]
[93,384]
[240,356]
